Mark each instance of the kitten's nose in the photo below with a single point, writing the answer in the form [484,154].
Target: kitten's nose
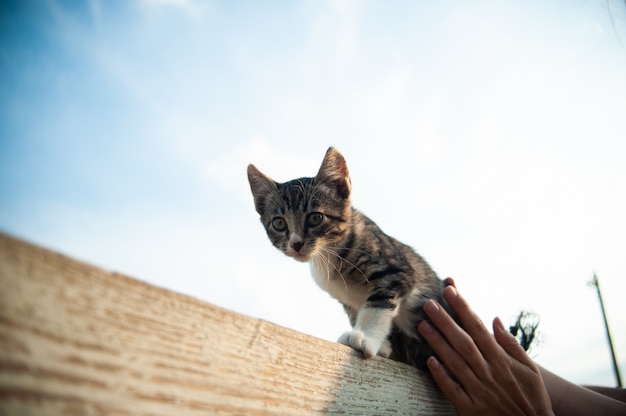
[297,245]
[295,242]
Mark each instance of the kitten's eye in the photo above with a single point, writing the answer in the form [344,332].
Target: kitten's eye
[314,219]
[279,224]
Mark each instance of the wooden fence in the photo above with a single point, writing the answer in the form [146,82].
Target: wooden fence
[79,340]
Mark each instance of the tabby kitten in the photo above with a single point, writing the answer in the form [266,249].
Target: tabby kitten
[381,282]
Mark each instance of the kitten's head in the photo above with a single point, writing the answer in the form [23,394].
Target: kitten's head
[304,217]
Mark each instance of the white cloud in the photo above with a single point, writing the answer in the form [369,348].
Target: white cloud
[229,169]
[192,8]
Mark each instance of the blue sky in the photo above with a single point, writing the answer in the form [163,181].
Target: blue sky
[488,135]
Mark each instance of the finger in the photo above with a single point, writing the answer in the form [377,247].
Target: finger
[457,351]
[472,324]
[448,281]
[509,343]
[450,388]
[455,364]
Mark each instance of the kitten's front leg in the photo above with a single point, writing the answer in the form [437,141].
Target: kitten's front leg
[369,334]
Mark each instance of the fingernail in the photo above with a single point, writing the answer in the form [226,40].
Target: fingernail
[433,363]
[431,307]
[426,328]
[450,292]
[497,324]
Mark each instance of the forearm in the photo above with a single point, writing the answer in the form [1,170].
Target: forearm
[612,392]
[571,399]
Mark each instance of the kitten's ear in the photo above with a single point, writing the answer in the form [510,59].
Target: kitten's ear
[261,186]
[334,172]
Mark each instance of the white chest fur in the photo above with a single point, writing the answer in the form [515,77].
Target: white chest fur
[332,281]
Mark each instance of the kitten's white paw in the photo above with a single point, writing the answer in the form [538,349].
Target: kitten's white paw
[385,349]
[359,341]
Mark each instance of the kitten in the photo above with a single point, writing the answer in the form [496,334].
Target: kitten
[381,282]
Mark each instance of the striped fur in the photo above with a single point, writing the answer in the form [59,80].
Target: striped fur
[381,282]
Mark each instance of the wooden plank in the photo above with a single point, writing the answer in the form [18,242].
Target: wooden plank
[79,340]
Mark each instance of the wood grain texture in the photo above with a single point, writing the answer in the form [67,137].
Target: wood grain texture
[79,340]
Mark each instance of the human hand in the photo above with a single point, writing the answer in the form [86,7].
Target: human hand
[483,374]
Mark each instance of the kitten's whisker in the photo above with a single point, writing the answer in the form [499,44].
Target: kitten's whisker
[330,264]
[342,259]
[326,261]
[340,268]
[352,249]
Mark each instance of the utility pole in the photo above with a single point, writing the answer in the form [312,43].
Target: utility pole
[594,282]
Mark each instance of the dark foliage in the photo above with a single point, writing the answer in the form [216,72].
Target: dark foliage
[525,329]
